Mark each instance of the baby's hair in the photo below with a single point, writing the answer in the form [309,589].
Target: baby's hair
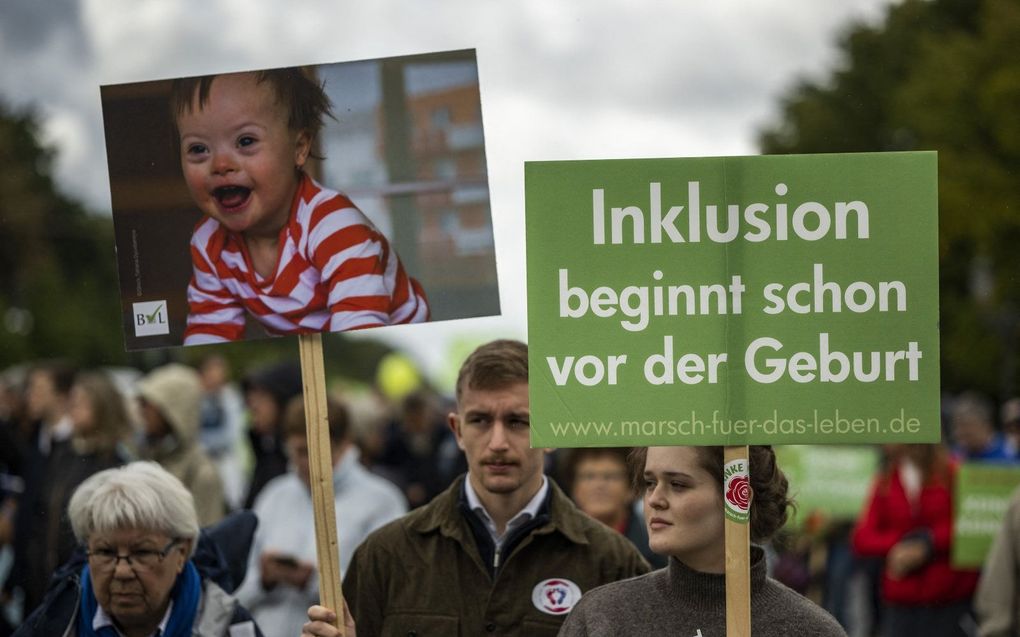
[294,87]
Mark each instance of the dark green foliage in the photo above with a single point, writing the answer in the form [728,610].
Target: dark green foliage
[58,285]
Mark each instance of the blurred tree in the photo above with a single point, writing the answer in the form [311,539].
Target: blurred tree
[941,75]
[58,285]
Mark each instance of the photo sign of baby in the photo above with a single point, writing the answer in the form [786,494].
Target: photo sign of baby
[323,198]
[733,300]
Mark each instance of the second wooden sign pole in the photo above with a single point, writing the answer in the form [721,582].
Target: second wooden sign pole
[738,559]
[320,464]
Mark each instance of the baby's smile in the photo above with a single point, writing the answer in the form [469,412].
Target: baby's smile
[231,197]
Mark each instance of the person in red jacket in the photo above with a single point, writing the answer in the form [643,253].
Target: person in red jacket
[909,522]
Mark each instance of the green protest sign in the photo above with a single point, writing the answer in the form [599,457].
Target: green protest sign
[981,498]
[733,300]
[829,481]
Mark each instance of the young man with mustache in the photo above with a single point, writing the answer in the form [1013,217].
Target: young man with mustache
[503,550]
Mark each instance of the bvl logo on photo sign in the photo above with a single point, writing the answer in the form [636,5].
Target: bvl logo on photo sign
[150,318]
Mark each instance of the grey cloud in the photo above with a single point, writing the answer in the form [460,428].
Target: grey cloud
[28,25]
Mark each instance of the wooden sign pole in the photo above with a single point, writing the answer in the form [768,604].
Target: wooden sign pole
[738,564]
[320,464]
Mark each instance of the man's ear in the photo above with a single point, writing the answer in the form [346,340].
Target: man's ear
[453,420]
[302,148]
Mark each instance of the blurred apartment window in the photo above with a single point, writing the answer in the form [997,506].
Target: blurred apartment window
[467,241]
[444,168]
[441,118]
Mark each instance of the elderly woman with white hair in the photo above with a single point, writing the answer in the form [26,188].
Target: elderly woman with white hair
[139,529]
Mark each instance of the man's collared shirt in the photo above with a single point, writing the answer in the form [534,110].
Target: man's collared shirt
[529,511]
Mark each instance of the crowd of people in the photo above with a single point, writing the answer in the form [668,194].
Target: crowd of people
[889,571]
[449,522]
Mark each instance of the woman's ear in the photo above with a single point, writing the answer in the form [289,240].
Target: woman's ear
[185,554]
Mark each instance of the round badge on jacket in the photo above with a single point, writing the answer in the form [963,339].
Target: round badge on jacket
[555,596]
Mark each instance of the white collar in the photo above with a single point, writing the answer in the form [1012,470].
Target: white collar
[346,466]
[529,511]
[57,432]
[62,429]
[102,620]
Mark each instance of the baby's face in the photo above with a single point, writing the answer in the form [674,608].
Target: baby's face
[239,156]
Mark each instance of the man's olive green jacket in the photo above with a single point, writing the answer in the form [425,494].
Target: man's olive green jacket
[423,575]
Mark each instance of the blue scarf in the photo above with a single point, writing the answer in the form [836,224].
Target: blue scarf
[185,595]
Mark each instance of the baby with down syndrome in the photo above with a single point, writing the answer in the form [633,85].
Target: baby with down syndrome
[274,243]
[683,504]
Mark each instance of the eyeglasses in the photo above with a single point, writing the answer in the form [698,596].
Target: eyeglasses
[139,560]
[605,476]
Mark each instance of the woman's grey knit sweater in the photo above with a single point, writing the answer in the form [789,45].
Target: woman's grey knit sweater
[680,602]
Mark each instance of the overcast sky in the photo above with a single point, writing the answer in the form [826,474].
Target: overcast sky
[580,79]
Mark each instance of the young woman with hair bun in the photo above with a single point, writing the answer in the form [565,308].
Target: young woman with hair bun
[683,503]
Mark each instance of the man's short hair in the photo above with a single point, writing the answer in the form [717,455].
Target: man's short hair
[336,417]
[494,365]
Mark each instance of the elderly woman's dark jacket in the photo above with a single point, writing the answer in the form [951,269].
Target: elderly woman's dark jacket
[221,558]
